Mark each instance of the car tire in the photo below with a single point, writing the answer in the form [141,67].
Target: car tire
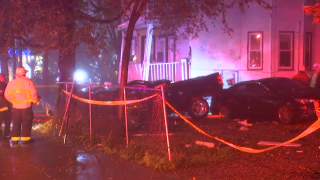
[198,108]
[285,115]
[224,112]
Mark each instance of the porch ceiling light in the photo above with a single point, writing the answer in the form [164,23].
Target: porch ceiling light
[258,36]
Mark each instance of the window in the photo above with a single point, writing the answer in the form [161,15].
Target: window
[256,89]
[308,50]
[255,50]
[286,50]
[238,88]
[162,49]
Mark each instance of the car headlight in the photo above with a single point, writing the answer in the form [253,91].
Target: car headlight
[304,101]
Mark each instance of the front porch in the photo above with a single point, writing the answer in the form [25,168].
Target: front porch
[154,56]
[173,71]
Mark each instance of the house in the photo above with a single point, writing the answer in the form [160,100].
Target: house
[264,44]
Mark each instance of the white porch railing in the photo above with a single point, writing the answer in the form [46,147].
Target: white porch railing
[160,71]
[173,71]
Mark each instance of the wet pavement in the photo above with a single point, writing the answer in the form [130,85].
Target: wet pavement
[49,158]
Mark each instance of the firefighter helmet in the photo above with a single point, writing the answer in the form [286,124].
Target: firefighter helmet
[21,71]
[302,68]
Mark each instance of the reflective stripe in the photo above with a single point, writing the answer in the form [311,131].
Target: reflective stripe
[25,138]
[22,91]
[15,138]
[4,109]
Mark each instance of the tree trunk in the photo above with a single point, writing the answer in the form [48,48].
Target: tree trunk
[135,15]
[20,57]
[66,61]
[45,68]
[14,61]
[4,66]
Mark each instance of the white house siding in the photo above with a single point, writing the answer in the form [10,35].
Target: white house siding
[289,17]
[216,50]
[316,43]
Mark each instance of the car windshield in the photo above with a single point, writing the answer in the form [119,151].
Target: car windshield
[284,85]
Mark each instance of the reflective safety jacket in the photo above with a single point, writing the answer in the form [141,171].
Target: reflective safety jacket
[21,92]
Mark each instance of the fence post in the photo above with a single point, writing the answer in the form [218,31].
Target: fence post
[90,113]
[65,121]
[126,115]
[66,91]
[166,122]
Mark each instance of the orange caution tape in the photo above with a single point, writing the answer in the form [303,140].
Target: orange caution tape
[308,131]
[109,103]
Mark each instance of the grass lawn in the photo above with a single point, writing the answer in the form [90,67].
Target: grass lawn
[191,161]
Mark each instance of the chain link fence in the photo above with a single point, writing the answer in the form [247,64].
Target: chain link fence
[128,114]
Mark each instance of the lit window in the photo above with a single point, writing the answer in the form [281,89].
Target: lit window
[286,50]
[308,50]
[255,50]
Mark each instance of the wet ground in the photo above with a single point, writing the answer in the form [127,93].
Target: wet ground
[49,158]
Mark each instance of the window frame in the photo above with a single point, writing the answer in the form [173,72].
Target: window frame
[165,49]
[248,50]
[292,51]
[155,48]
[308,66]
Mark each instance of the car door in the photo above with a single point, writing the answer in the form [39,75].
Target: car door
[261,103]
[238,101]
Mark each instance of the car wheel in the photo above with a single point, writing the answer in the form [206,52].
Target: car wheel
[199,108]
[224,112]
[285,115]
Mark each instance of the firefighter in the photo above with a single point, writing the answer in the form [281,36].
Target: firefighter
[21,92]
[5,109]
[315,80]
[302,76]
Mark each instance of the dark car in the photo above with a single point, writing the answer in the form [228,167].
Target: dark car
[184,96]
[188,95]
[278,98]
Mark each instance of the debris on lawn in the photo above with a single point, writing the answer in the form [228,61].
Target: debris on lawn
[208,144]
[268,143]
[275,122]
[245,123]
[299,151]
[243,128]
[188,145]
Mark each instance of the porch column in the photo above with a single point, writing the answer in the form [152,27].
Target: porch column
[121,54]
[147,52]
[316,44]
